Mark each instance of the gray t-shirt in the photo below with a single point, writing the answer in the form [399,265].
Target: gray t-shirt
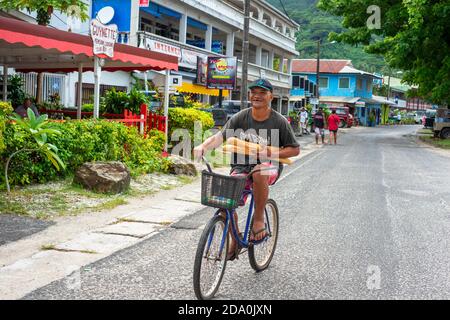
[274,131]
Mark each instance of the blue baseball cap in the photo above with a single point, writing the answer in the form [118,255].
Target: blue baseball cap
[261,83]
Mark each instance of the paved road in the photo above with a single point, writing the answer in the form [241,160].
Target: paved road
[367,219]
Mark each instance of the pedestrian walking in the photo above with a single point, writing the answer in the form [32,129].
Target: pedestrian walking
[319,125]
[304,121]
[333,126]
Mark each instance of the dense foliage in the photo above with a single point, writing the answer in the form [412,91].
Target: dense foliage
[80,142]
[44,8]
[5,111]
[413,36]
[185,118]
[316,24]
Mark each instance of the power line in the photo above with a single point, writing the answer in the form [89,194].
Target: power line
[284,9]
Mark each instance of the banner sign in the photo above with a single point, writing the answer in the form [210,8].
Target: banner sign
[144,3]
[161,47]
[222,73]
[202,70]
[104,38]
[189,58]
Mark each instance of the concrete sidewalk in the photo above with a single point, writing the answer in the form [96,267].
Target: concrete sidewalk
[74,242]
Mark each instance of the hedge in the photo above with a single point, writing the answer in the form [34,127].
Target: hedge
[185,118]
[81,142]
[5,110]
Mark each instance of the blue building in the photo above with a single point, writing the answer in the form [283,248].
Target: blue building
[341,85]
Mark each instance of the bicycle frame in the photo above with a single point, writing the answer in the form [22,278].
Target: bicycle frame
[230,217]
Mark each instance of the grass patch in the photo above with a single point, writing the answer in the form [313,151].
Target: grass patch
[186,179]
[111,204]
[437,142]
[62,198]
[11,207]
[49,247]
[425,131]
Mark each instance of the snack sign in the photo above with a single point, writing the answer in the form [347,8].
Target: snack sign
[222,73]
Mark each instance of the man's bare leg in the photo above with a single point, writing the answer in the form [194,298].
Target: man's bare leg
[260,194]
[233,243]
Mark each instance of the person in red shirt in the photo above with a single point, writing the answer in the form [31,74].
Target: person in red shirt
[333,125]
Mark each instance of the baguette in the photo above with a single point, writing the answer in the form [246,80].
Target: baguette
[235,149]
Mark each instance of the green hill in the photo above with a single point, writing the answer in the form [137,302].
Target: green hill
[316,24]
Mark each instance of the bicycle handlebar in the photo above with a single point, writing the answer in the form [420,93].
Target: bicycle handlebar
[207,164]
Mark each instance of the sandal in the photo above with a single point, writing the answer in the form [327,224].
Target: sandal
[254,234]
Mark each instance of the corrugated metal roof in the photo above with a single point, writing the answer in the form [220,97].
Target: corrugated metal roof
[326,66]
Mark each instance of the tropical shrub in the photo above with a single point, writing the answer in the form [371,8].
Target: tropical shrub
[135,100]
[114,102]
[16,93]
[39,131]
[81,142]
[88,107]
[185,118]
[5,110]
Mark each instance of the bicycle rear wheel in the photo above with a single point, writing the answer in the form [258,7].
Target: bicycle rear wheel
[260,255]
[210,263]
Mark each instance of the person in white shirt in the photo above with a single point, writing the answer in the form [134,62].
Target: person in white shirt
[304,121]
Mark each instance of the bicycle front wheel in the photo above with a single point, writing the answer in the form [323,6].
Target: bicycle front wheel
[260,255]
[210,262]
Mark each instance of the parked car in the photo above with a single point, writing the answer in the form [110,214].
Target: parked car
[441,126]
[175,100]
[418,116]
[222,115]
[155,101]
[345,116]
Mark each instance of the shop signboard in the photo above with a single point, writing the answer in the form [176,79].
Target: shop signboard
[162,47]
[104,38]
[221,73]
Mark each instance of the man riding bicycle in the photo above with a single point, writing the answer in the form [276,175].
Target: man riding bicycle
[258,124]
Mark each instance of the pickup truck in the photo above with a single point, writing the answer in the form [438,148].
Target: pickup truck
[441,126]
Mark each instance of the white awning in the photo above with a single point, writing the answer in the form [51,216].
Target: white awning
[296,98]
[350,100]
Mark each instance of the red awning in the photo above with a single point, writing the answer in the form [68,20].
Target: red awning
[29,47]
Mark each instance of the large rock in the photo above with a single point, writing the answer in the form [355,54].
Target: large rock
[182,166]
[104,177]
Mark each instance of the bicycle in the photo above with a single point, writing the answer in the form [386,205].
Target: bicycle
[227,193]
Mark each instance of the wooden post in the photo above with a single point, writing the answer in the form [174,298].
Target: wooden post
[80,91]
[97,77]
[166,109]
[5,82]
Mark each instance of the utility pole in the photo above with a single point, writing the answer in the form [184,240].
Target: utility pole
[245,55]
[318,69]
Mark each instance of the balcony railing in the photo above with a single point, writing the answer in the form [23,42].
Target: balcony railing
[142,35]
[254,71]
